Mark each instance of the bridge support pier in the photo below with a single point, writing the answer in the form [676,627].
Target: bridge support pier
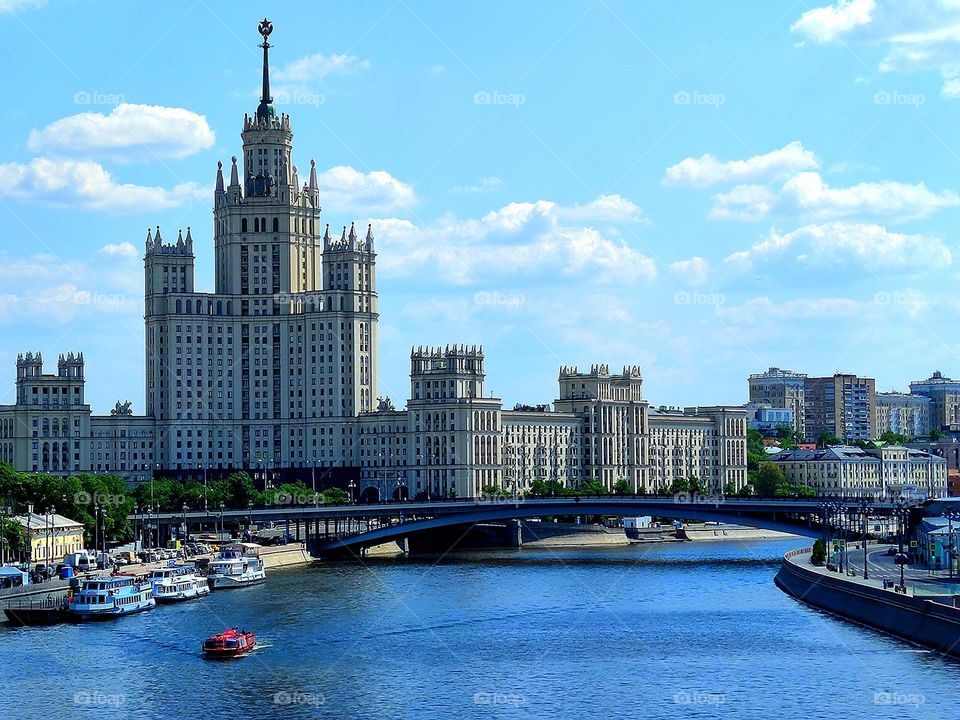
[514,534]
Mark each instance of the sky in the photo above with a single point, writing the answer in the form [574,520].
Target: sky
[701,189]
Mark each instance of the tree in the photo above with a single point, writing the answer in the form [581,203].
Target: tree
[892,438]
[547,488]
[679,485]
[592,486]
[730,488]
[336,496]
[819,554]
[746,490]
[12,537]
[827,439]
[621,487]
[768,477]
[936,434]
[494,491]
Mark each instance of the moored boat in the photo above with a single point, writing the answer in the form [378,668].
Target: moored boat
[178,583]
[109,596]
[235,566]
[229,644]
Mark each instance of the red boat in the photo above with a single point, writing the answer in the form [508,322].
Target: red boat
[230,643]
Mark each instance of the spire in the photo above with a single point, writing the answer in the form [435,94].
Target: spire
[234,174]
[343,235]
[326,234]
[265,110]
[313,175]
[353,234]
[219,177]
[189,241]
[369,232]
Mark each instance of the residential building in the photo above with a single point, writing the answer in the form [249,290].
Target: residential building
[276,372]
[945,396]
[778,388]
[882,470]
[904,414]
[769,420]
[843,405]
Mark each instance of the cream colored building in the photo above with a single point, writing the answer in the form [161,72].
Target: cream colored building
[887,471]
[50,537]
[276,372]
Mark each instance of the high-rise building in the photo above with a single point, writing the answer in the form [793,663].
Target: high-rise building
[903,414]
[778,388]
[945,396]
[275,372]
[843,405]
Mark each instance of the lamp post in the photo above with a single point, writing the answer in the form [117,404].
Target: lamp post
[863,507]
[185,536]
[901,559]
[204,486]
[350,487]
[313,479]
[29,548]
[96,526]
[220,534]
[951,543]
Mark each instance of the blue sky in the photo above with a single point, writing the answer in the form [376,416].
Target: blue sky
[703,189]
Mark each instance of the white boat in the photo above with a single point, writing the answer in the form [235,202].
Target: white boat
[236,565]
[173,584]
[109,596]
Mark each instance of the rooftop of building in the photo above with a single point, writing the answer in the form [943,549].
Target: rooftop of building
[775,372]
[35,520]
[848,453]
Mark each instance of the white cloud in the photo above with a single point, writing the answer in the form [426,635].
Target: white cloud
[129,133]
[918,34]
[9,6]
[299,80]
[523,239]
[345,188]
[437,70]
[708,170]
[606,208]
[485,185]
[845,247]
[124,250]
[808,195]
[694,271]
[86,184]
[826,24]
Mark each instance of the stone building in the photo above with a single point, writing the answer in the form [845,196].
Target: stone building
[776,388]
[903,414]
[944,394]
[843,405]
[276,372]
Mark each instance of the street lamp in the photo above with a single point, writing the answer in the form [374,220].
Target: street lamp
[185,536]
[220,534]
[351,486]
[313,479]
[951,544]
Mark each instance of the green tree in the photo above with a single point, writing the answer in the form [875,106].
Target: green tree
[730,488]
[768,477]
[592,486]
[12,537]
[892,438]
[746,490]
[827,439]
[819,554]
[494,491]
[622,487]
[936,434]
[334,496]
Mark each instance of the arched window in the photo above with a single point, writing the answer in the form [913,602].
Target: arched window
[243,225]
[256,224]
[229,307]
[219,307]
[276,224]
[179,306]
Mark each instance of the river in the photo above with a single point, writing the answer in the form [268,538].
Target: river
[676,630]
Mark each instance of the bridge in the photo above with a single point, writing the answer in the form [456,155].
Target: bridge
[345,529]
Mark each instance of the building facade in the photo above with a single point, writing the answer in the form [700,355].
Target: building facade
[276,372]
[944,394]
[843,405]
[778,388]
[904,414]
[49,537]
[886,470]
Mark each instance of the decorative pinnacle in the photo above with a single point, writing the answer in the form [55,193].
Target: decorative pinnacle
[263,112]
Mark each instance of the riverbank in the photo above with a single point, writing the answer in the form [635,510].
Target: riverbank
[554,534]
[929,620]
